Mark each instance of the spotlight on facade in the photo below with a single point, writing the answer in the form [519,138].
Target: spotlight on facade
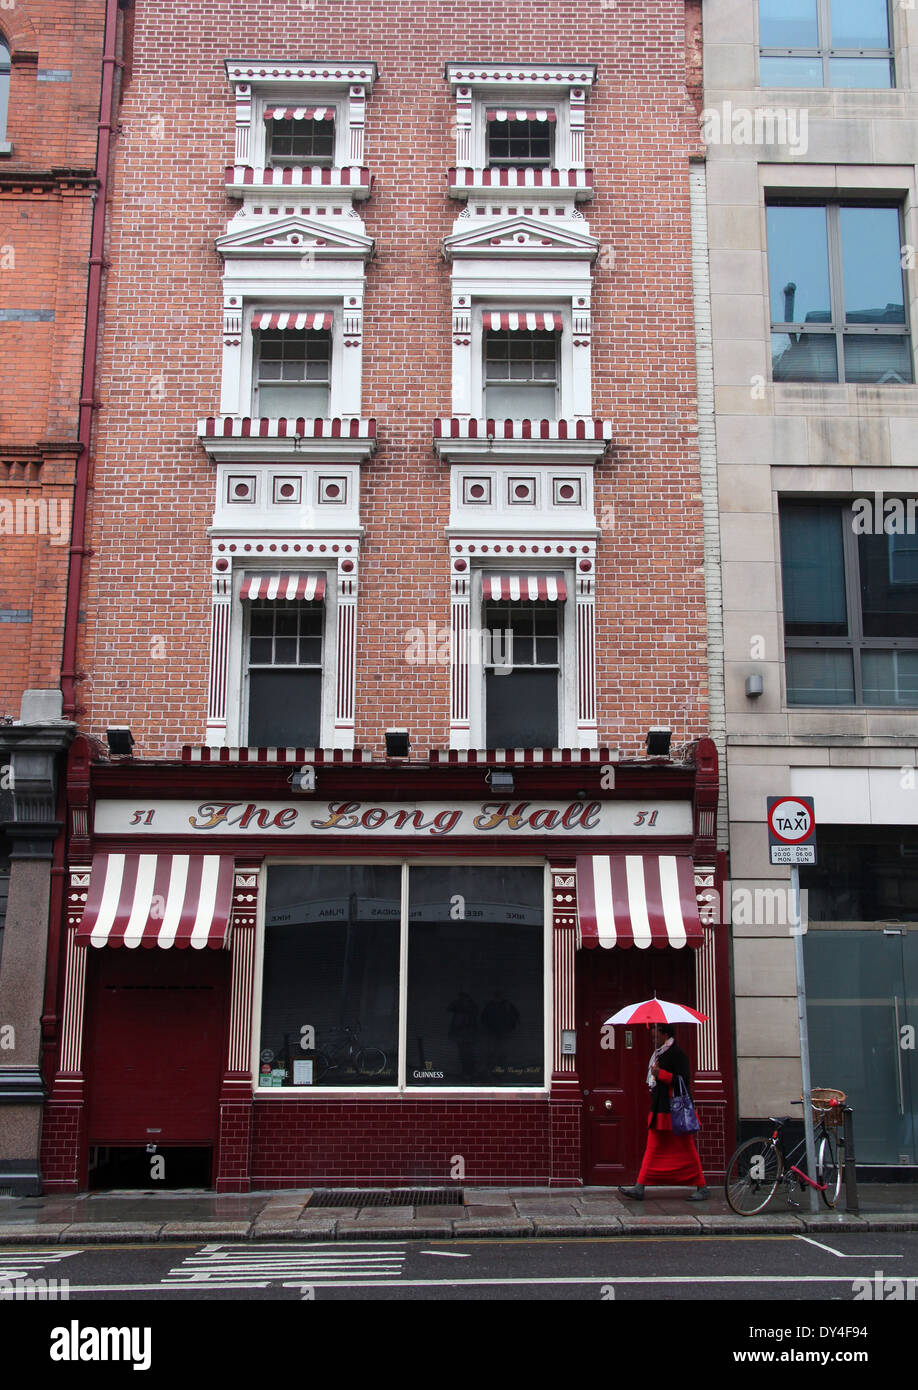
[397,743]
[754,686]
[120,741]
[658,740]
[499,780]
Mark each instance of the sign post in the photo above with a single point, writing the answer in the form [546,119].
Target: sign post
[792,841]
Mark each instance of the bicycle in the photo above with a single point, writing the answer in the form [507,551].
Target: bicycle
[760,1164]
[348,1055]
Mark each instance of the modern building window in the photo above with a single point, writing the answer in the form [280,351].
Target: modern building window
[850,608]
[368,982]
[864,873]
[825,43]
[302,139]
[520,138]
[284,674]
[522,674]
[292,373]
[521,375]
[837,293]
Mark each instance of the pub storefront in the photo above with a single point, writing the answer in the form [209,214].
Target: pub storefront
[398,975]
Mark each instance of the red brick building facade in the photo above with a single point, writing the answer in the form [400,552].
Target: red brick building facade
[397,350]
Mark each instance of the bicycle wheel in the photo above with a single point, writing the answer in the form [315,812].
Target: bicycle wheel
[828,1169]
[320,1066]
[753,1174]
[371,1061]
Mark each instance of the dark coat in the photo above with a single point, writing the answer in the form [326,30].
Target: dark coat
[675,1063]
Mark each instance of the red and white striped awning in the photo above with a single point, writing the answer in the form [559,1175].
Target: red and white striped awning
[290,318]
[299,113]
[521,322]
[160,900]
[305,587]
[504,113]
[637,900]
[523,588]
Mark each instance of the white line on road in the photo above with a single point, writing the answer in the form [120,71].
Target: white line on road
[451,1254]
[558,1280]
[842,1256]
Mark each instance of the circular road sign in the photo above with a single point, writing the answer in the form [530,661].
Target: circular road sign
[791,820]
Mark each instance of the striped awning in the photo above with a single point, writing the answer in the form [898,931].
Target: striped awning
[504,113]
[299,113]
[637,900]
[160,900]
[524,588]
[289,318]
[303,587]
[521,322]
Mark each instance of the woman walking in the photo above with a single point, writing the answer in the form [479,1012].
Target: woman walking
[669,1159]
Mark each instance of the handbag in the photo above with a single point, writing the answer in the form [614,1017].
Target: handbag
[682,1111]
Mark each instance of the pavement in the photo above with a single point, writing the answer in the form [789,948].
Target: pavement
[500,1212]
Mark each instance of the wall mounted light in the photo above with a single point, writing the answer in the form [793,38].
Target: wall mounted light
[658,741]
[397,743]
[120,741]
[499,780]
[754,686]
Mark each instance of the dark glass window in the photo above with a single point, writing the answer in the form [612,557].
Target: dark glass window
[284,674]
[865,873]
[522,676]
[302,142]
[472,995]
[837,293]
[293,373]
[825,43]
[521,375]
[850,603]
[520,142]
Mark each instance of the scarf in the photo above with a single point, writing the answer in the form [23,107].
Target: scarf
[651,1079]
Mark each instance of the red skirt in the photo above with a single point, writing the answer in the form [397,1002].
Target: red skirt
[670,1160]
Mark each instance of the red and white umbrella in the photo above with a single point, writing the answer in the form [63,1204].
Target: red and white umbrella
[657,1011]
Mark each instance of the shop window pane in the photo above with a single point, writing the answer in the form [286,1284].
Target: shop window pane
[475,977]
[522,709]
[890,678]
[872,263]
[791,72]
[819,677]
[331,964]
[860,24]
[798,265]
[864,873]
[860,72]
[788,24]
[889,584]
[284,708]
[813,572]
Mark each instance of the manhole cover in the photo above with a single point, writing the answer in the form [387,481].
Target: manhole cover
[387,1197]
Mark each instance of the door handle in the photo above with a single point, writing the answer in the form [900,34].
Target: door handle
[608,1105]
[898,1042]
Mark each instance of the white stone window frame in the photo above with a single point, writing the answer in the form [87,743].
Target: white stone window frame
[564,87]
[246,298]
[574,362]
[258,84]
[227,716]
[482,102]
[470,559]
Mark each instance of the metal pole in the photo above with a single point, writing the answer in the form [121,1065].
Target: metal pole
[804,1037]
[851,1198]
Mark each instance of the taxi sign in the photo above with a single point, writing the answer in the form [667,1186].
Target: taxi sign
[791,830]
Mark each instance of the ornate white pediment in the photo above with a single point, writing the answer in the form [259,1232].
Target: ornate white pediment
[521,236]
[294,237]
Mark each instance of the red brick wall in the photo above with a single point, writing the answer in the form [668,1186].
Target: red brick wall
[45,222]
[147,589]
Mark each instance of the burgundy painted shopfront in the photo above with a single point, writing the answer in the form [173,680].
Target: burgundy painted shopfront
[400,976]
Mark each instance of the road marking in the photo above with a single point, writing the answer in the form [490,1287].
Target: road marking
[842,1256]
[448,1254]
[23,1263]
[323,1262]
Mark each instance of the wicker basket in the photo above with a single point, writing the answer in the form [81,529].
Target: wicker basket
[828,1106]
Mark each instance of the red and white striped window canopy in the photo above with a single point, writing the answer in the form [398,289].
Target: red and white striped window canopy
[315,321]
[164,900]
[524,588]
[299,113]
[506,113]
[521,321]
[637,900]
[291,588]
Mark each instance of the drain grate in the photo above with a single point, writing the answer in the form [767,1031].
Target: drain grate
[387,1197]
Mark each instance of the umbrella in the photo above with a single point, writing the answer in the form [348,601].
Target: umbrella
[657,1011]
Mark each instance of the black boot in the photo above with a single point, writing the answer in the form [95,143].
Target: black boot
[637,1192]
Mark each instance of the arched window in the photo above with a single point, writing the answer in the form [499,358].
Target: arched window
[4,86]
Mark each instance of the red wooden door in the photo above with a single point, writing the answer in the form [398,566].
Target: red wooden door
[613,1061]
[155,1041]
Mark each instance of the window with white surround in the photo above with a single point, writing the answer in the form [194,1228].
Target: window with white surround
[283,671]
[522,372]
[5,146]
[300,134]
[293,369]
